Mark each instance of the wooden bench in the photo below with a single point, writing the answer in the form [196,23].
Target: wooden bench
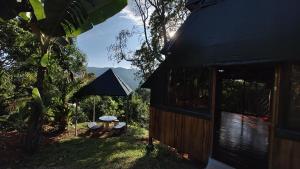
[120,128]
[93,126]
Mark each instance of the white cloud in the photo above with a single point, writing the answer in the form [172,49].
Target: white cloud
[129,14]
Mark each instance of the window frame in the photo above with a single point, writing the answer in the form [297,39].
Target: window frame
[205,113]
[282,130]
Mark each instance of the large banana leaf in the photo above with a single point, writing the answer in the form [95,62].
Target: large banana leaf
[64,17]
[73,17]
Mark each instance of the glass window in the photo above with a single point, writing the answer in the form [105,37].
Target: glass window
[188,88]
[292,115]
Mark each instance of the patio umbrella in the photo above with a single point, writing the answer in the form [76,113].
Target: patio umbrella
[107,84]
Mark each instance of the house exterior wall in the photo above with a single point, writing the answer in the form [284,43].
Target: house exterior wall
[193,135]
[188,134]
[286,154]
[284,147]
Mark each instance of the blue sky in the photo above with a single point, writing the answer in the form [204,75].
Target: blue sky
[94,43]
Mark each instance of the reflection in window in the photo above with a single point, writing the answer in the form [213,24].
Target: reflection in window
[188,88]
[292,118]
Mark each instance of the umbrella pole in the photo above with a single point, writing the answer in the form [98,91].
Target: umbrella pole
[76,114]
[128,102]
[94,111]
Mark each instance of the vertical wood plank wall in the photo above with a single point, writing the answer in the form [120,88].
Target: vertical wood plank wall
[284,153]
[188,134]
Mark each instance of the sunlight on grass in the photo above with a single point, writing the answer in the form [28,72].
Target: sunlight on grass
[123,152]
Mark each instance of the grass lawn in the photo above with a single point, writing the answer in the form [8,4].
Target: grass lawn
[127,151]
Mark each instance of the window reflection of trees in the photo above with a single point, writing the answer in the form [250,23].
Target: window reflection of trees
[292,120]
[188,88]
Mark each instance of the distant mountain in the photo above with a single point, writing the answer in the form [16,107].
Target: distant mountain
[128,75]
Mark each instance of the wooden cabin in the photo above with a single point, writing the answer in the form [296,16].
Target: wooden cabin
[229,88]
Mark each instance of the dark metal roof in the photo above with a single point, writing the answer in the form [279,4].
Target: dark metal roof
[155,76]
[238,32]
[107,84]
[194,4]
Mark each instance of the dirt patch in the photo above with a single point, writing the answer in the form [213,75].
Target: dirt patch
[10,148]
[11,145]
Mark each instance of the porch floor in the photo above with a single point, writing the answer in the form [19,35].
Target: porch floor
[242,141]
[214,164]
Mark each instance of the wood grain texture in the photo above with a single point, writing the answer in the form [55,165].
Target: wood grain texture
[188,134]
[286,154]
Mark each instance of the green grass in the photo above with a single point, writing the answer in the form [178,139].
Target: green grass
[124,152]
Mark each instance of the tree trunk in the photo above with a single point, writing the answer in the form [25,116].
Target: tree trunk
[63,124]
[63,120]
[35,122]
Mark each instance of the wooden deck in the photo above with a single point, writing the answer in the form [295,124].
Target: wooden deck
[214,164]
[242,141]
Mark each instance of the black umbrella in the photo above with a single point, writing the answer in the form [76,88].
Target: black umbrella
[107,84]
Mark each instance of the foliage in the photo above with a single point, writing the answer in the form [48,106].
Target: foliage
[16,72]
[112,106]
[160,20]
[6,90]
[60,17]
[245,97]
[18,119]
[87,106]
[52,21]
[135,108]
[138,110]
[65,71]
[104,105]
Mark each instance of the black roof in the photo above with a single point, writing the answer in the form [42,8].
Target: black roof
[157,75]
[234,32]
[107,84]
[237,32]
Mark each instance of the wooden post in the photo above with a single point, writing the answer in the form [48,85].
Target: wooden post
[76,114]
[150,146]
[214,103]
[94,111]
[275,113]
[244,98]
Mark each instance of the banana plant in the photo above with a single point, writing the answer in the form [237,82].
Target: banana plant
[61,17]
[49,20]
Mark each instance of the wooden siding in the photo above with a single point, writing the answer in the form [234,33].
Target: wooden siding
[284,153]
[188,134]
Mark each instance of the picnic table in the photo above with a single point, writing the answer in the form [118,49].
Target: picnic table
[107,120]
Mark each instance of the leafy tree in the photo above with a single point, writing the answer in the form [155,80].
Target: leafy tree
[16,74]
[87,107]
[49,21]
[138,109]
[6,88]
[131,109]
[160,19]
[67,74]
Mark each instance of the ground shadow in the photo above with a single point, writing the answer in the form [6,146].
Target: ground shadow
[127,151]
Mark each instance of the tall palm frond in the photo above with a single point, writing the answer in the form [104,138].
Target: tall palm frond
[61,17]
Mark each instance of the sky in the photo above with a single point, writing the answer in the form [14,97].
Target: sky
[94,43]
